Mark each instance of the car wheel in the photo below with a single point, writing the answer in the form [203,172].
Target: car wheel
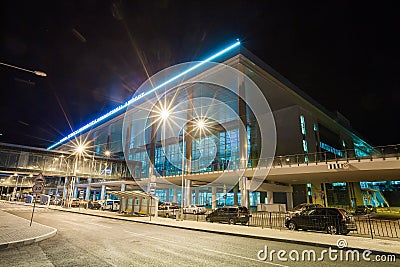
[331,229]
[194,212]
[292,226]
[231,221]
[345,232]
[166,215]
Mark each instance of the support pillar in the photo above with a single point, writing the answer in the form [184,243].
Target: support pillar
[318,193]
[213,197]
[175,197]
[188,192]
[124,200]
[355,195]
[167,194]
[235,195]
[75,192]
[196,196]
[103,192]
[65,188]
[87,195]
[243,192]
[289,200]
[270,197]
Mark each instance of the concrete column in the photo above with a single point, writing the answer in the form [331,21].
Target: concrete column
[196,196]
[243,191]
[270,197]
[65,188]
[235,195]
[289,200]
[175,197]
[241,104]
[188,192]
[87,196]
[214,197]
[317,193]
[124,201]
[103,192]
[167,194]
[75,192]
[355,194]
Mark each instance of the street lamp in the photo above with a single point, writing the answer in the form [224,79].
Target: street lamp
[36,72]
[79,151]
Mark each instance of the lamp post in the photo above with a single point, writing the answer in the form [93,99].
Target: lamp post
[183,173]
[164,114]
[36,72]
[79,150]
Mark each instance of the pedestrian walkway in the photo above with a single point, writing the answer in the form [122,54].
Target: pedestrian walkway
[15,231]
[267,234]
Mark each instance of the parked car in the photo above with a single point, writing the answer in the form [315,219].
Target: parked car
[302,207]
[364,209]
[75,203]
[168,212]
[194,209]
[171,205]
[55,201]
[109,204]
[331,220]
[230,214]
[94,205]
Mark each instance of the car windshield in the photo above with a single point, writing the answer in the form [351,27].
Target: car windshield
[243,209]
[299,206]
[344,212]
[308,212]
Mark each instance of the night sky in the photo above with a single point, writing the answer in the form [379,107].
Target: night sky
[344,54]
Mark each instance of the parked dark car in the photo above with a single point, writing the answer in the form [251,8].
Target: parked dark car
[364,209]
[168,205]
[94,205]
[331,220]
[302,207]
[230,214]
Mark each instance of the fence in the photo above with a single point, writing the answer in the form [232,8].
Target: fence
[366,225]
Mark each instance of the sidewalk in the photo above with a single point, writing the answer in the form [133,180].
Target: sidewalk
[15,231]
[378,246]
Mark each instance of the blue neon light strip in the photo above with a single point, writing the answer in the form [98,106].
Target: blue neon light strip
[331,149]
[136,98]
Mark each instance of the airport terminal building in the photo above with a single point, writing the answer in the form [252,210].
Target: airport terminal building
[190,125]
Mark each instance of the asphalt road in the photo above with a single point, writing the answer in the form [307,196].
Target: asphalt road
[93,241]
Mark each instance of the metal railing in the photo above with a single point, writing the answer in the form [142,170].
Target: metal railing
[15,158]
[366,225]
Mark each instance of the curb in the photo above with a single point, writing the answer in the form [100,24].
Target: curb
[28,241]
[397,255]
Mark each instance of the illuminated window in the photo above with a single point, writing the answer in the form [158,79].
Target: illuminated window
[303,125]
[305,146]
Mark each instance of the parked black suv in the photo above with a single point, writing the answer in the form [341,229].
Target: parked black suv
[331,220]
[230,214]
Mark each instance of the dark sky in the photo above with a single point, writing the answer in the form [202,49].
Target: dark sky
[344,54]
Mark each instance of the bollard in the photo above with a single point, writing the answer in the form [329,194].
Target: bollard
[370,227]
